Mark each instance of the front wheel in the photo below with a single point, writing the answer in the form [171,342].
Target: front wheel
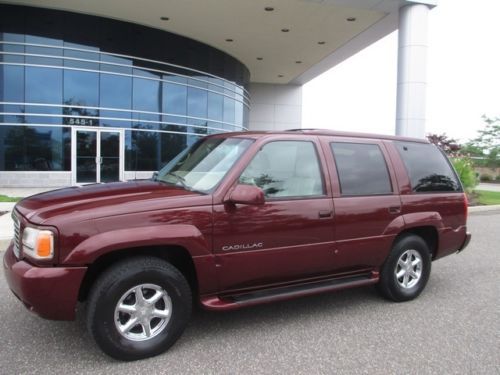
[406,271]
[138,308]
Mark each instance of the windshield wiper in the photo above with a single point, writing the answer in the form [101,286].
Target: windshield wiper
[181,179]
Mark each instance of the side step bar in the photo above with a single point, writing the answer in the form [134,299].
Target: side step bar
[286,292]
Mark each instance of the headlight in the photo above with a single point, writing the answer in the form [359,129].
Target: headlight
[38,244]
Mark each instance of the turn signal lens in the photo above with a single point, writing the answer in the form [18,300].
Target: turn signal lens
[44,244]
[38,244]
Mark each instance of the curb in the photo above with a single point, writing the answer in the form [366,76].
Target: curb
[493,207]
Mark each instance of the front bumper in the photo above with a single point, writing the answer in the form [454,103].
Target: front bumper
[51,292]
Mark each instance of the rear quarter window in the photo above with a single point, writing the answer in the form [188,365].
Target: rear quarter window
[428,168]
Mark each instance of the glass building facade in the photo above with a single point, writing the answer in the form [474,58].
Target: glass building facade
[97,97]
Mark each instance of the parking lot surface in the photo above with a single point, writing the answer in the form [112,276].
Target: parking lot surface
[452,328]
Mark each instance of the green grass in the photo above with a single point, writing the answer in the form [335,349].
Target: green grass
[5,198]
[488,197]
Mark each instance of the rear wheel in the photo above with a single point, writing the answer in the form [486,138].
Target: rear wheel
[138,308]
[406,271]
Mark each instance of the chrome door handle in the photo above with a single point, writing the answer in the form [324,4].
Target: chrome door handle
[394,210]
[324,214]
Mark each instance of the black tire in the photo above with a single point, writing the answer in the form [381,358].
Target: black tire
[117,282]
[407,247]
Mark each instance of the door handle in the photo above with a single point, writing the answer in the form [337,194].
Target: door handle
[394,210]
[324,214]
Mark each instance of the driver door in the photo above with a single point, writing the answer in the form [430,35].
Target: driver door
[291,235]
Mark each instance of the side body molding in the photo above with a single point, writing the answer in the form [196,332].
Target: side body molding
[187,236]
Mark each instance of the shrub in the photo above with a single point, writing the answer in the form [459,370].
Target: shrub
[465,171]
[485,178]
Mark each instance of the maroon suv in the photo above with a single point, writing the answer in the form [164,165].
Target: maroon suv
[236,220]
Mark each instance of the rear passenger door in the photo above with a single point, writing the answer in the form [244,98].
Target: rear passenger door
[365,199]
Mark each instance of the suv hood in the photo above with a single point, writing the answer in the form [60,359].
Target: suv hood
[100,200]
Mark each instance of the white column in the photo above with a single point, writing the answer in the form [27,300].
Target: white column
[412,59]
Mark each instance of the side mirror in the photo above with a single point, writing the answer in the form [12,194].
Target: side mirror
[247,194]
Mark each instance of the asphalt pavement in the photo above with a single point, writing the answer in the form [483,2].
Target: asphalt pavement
[452,328]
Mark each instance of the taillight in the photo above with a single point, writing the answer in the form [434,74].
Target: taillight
[466,206]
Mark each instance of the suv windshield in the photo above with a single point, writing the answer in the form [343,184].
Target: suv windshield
[203,165]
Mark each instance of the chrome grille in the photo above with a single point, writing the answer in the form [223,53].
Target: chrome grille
[17,236]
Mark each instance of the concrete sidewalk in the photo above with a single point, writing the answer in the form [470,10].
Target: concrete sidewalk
[6,224]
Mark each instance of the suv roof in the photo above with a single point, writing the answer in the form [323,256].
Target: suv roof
[327,132]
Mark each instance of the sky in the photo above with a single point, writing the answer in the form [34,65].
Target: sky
[463,77]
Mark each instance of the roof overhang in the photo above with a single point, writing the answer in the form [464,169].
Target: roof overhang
[321,33]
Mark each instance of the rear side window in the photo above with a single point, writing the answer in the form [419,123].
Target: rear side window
[361,168]
[427,167]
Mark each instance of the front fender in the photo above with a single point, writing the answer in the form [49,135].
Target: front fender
[186,236]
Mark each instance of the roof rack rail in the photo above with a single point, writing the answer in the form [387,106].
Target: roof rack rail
[301,129]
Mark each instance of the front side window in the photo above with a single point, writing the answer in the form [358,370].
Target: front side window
[427,167]
[203,165]
[285,169]
[361,169]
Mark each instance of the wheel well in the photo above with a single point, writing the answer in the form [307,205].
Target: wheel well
[178,256]
[428,233]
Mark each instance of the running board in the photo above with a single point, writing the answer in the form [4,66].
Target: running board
[286,292]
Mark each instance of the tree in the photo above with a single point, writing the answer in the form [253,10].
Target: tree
[449,145]
[487,143]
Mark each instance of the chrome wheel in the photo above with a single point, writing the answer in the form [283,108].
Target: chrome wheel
[143,312]
[409,269]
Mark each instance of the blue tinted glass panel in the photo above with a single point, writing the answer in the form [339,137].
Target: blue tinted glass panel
[238,113]
[75,56]
[115,91]
[43,85]
[81,88]
[116,64]
[15,51]
[174,99]
[146,95]
[215,107]
[26,148]
[116,119]
[197,102]
[44,51]
[12,90]
[228,112]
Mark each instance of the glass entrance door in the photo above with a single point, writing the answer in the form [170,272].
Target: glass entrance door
[97,156]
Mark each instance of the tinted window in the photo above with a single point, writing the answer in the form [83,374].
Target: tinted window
[427,167]
[27,148]
[285,169]
[361,168]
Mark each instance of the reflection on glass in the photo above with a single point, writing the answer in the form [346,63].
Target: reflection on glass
[110,88]
[27,148]
[12,90]
[86,152]
[110,156]
[430,173]
[115,91]
[174,98]
[81,89]
[43,85]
